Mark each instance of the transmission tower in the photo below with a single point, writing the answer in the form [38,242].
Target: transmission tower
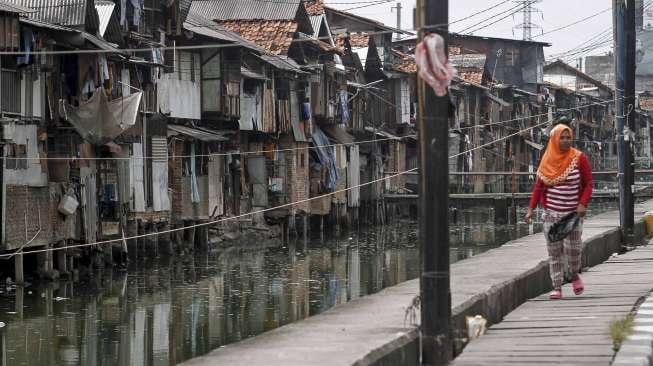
[527,26]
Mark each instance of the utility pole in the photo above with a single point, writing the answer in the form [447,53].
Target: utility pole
[624,55]
[433,127]
[398,7]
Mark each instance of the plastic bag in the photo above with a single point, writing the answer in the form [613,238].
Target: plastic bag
[561,228]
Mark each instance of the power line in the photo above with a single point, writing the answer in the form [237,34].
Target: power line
[534,116]
[583,44]
[259,152]
[479,12]
[271,208]
[368,5]
[489,18]
[262,152]
[574,23]
[520,8]
[602,35]
[231,218]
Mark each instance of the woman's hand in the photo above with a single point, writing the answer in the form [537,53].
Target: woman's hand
[529,215]
[581,210]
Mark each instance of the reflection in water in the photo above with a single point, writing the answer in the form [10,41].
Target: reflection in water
[164,311]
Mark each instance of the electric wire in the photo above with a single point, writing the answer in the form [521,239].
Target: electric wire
[108,241]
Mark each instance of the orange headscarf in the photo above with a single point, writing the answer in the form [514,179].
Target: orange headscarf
[556,165]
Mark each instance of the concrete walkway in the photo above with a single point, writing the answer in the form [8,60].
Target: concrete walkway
[574,330]
[372,329]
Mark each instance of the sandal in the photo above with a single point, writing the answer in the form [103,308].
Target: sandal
[578,285]
[555,294]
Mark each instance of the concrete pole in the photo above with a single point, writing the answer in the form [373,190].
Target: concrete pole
[433,120]
[624,44]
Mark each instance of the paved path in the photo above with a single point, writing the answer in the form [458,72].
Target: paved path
[370,328]
[573,331]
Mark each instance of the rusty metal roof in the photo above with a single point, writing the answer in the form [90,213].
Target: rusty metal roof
[62,12]
[13,8]
[196,133]
[246,9]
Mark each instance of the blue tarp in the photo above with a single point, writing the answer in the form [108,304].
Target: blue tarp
[326,156]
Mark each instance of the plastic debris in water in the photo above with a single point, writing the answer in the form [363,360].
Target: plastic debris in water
[476,326]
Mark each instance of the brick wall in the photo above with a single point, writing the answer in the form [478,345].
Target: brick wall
[297,179]
[23,207]
[397,164]
[176,180]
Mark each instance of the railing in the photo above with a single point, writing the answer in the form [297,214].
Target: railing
[522,182]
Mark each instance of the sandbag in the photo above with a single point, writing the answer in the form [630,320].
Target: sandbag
[561,228]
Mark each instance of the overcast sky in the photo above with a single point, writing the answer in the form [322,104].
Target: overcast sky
[554,14]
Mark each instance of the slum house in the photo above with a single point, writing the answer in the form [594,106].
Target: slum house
[569,77]
[334,168]
[101,96]
[200,93]
[572,88]
[592,121]
[507,61]
[643,157]
[286,32]
[27,216]
[63,91]
[499,80]
[381,87]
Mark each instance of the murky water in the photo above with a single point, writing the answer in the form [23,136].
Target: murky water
[162,312]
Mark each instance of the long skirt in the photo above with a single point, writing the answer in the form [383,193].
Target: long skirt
[569,249]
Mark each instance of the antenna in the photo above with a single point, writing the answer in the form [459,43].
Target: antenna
[527,26]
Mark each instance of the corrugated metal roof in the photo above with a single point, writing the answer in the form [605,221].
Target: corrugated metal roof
[282,63]
[476,60]
[12,8]
[202,135]
[249,74]
[338,134]
[100,43]
[316,23]
[62,12]
[382,133]
[104,10]
[40,24]
[246,9]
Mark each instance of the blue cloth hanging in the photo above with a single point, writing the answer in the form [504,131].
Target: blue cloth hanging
[26,45]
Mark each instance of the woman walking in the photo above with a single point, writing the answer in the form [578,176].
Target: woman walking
[564,185]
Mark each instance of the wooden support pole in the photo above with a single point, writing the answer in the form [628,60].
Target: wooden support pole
[18,269]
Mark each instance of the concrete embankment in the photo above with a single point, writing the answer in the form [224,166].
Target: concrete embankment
[375,330]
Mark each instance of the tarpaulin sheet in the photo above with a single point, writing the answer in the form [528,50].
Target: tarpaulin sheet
[327,157]
[99,120]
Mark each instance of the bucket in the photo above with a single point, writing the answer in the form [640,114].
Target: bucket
[68,205]
[648,220]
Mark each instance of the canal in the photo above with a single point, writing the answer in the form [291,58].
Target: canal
[163,311]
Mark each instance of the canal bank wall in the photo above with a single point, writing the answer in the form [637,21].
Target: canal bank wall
[379,329]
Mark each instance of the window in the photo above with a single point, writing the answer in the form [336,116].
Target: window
[301,160]
[16,156]
[185,66]
[511,57]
